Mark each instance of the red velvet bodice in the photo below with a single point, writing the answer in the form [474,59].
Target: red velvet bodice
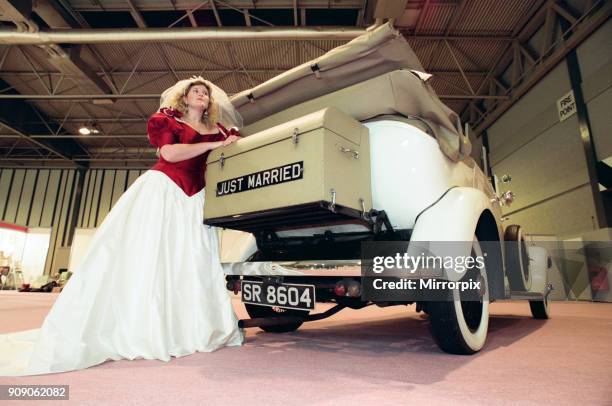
[163,128]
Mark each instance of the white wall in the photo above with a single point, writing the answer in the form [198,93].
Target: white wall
[595,59]
[35,253]
[545,157]
[80,243]
[48,198]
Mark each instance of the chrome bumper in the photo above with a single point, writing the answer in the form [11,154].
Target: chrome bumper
[343,268]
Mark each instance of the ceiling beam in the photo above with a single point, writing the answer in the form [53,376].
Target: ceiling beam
[580,33]
[14,114]
[215,12]
[531,20]
[192,19]
[69,60]
[136,15]
[565,12]
[244,11]
[37,143]
[467,82]
[174,5]
[133,35]
[53,14]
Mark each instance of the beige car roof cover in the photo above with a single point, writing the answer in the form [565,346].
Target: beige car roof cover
[377,52]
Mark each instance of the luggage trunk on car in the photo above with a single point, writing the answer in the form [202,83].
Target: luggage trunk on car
[309,171]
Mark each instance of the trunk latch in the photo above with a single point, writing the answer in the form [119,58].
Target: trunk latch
[294,137]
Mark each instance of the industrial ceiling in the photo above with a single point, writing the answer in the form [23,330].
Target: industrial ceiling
[101,64]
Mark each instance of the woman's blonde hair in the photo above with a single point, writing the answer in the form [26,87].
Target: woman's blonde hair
[176,102]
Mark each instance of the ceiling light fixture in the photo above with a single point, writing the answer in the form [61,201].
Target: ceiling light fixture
[84,131]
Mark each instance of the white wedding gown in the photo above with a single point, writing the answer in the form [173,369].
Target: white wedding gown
[150,286]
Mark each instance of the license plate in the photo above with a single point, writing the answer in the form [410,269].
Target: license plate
[284,295]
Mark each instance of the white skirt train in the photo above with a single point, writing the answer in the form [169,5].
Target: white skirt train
[150,286]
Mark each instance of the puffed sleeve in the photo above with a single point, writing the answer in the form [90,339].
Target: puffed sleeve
[161,130]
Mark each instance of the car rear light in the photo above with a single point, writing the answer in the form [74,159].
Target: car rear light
[353,289]
[233,285]
[340,288]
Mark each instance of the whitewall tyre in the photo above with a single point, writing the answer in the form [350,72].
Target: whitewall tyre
[460,327]
[517,259]
[539,309]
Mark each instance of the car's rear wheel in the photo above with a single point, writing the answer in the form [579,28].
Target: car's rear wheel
[539,308]
[256,311]
[517,259]
[460,325]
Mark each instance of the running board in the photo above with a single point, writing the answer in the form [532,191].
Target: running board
[532,295]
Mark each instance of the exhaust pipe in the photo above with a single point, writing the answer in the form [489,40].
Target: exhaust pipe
[280,320]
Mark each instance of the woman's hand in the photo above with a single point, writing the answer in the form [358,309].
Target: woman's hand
[229,140]
[226,133]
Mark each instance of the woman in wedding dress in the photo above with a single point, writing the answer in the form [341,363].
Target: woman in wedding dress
[151,284]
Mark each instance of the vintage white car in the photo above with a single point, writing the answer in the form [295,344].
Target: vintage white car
[355,148]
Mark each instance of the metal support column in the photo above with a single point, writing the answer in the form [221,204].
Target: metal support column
[584,125]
